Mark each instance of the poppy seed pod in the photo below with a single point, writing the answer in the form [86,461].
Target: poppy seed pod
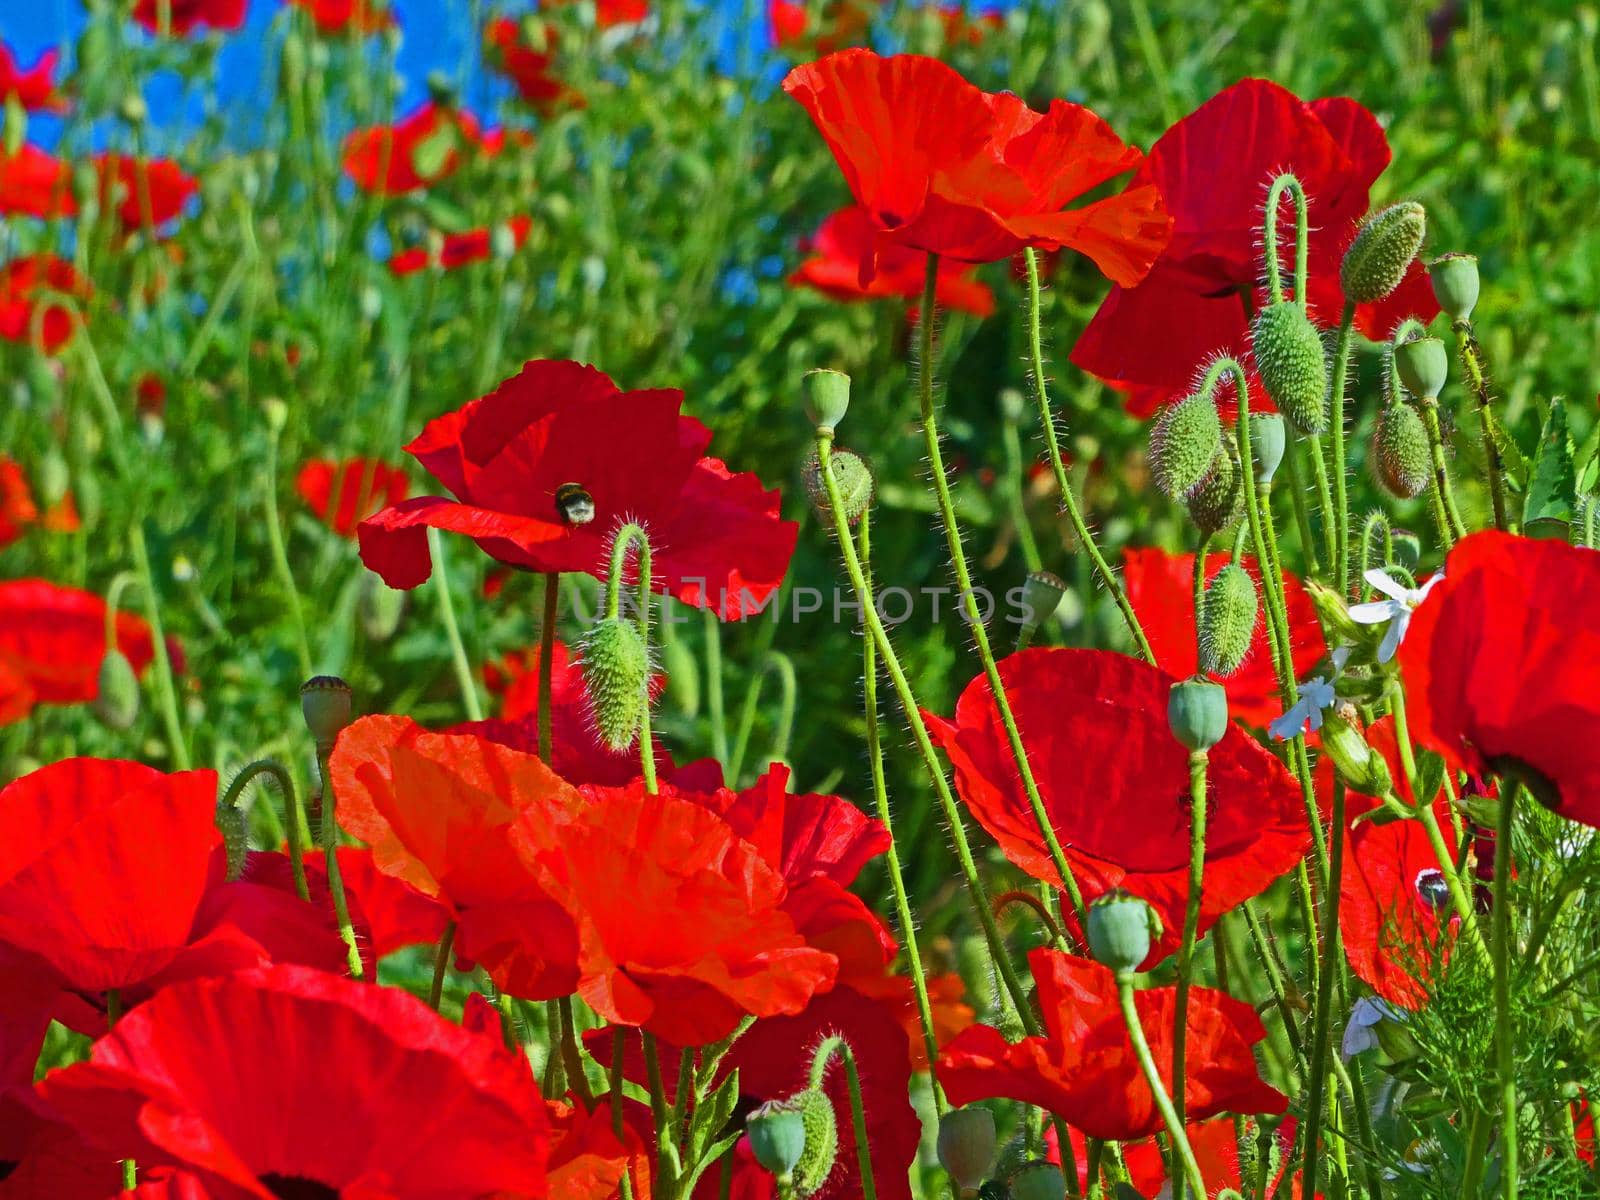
[1184,443]
[1041,596]
[1039,1181]
[325,702]
[966,1146]
[827,397]
[1121,929]
[1268,441]
[116,701]
[777,1137]
[821,1142]
[617,666]
[1400,455]
[854,477]
[1227,620]
[1197,711]
[1293,365]
[1455,284]
[1219,500]
[1424,365]
[1376,261]
[1357,763]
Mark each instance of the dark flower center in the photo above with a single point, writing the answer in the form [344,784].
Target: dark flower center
[6,1168]
[292,1187]
[574,504]
[1432,890]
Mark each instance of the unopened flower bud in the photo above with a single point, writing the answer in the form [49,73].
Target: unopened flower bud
[777,1133]
[1334,614]
[1358,763]
[1197,711]
[276,412]
[827,397]
[441,89]
[1407,549]
[325,702]
[1184,443]
[617,667]
[1376,261]
[822,1142]
[1121,928]
[1227,620]
[1401,459]
[16,124]
[1424,364]
[1219,500]
[1268,441]
[1039,1181]
[1293,365]
[53,478]
[116,700]
[1013,405]
[1455,284]
[853,478]
[370,301]
[133,109]
[966,1146]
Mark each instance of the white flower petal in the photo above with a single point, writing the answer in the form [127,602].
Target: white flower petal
[1382,581]
[1374,612]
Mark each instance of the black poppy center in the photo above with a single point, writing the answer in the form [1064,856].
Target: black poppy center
[1432,889]
[292,1187]
[6,1168]
[575,504]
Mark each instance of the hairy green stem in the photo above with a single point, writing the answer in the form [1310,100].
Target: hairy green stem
[294,816]
[834,1046]
[330,851]
[1472,361]
[452,630]
[1339,518]
[1163,1102]
[441,964]
[1322,1023]
[1504,1049]
[633,537]
[1191,924]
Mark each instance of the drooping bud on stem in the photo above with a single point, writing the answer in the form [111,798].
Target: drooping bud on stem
[116,698]
[1401,458]
[1293,364]
[617,669]
[1219,500]
[1376,261]
[1041,596]
[854,478]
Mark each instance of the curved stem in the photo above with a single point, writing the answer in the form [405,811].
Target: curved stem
[452,630]
[1286,183]
[773,663]
[1339,518]
[1454,527]
[1163,1102]
[330,851]
[441,964]
[293,816]
[833,1047]
[166,689]
[1504,1050]
[1191,925]
[633,537]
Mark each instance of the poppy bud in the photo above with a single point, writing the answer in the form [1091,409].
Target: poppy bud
[1184,444]
[1268,441]
[1013,405]
[116,701]
[966,1146]
[617,666]
[1401,459]
[1041,596]
[1407,549]
[1227,620]
[276,412]
[441,89]
[16,124]
[821,1142]
[1120,928]
[1039,1181]
[381,607]
[1383,248]
[370,301]
[854,478]
[325,702]
[1219,500]
[1455,284]
[1197,711]
[133,109]
[777,1137]
[1357,763]
[827,397]
[53,477]
[1424,365]
[502,241]
[1292,364]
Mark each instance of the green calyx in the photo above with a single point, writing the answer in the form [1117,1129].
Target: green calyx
[1383,248]
[1227,620]
[1184,443]
[1357,763]
[617,670]
[1400,454]
[854,478]
[1293,364]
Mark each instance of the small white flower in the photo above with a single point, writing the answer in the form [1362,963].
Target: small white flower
[1316,695]
[1396,610]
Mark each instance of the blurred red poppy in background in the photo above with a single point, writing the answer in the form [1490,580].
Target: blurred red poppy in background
[188,15]
[838,23]
[525,52]
[35,183]
[834,268]
[422,148]
[151,191]
[459,249]
[1499,667]
[1084,1070]
[33,88]
[26,309]
[18,511]
[942,166]
[341,16]
[343,494]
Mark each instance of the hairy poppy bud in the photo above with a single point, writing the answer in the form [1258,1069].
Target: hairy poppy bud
[325,702]
[1333,613]
[1227,620]
[381,607]
[1039,1181]
[966,1146]
[617,666]
[827,397]
[1268,441]
[1184,443]
[116,700]
[1383,248]
[1401,459]
[1424,364]
[1407,549]
[821,1142]
[1455,284]
[1357,763]
[1292,364]
[1121,928]
[777,1137]
[1041,596]
[854,477]
[1219,500]
[1197,711]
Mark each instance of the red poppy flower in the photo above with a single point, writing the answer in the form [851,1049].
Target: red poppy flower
[943,167]
[290,1081]
[1498,666]
[420,149]
[458,249]
[396,914]
[341,16]
[51,642]
[343,494]
[587,1159]
[838,24]
[34,88]
[18,511]
[36,184]
[1161,589]
[129,187]
[1216,1151]
[834,269]
[42,1157]
[1115,783]
[530,67]
[27,999]
[1212,169]
[1083,1069]
[946,998]
[964,28]
[611,13]
[717,540]
[26,312]
[188,15]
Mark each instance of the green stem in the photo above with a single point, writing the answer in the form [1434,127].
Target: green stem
[774,662]
[1472,361]
[665,1176]
[1454,528]
[452,630]
[632,536]
[833,1047]
[547,653]
[1504,1049]
[280,558]
[714,699]
[1191,925]
[1322,1025]
[1163,1102]
[293,815]
[1287,183]
[330,851]
[1339,518]
[166,689]
[441,964]
[1319,476]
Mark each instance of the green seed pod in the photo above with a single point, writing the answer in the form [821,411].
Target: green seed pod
[967,1145]
[1184,443]
[1121,928]
[381,608]
[1424,364]
[325,702]
[1219,500]
[116,701]
[1357,763]
[1455,284]
[1197,711]
[1383,248]
[1268,440]
[1039,1181]
[1401,459]
[822,1142]
[777,1136]
[1227,620]
[1041,596]
[854,477]
[617,667]
[1293,364]
[827,397]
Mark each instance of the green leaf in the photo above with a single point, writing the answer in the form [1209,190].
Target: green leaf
[711,1117]
[713,1154]
[1552,490]
[1510,453]
[1430,775]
